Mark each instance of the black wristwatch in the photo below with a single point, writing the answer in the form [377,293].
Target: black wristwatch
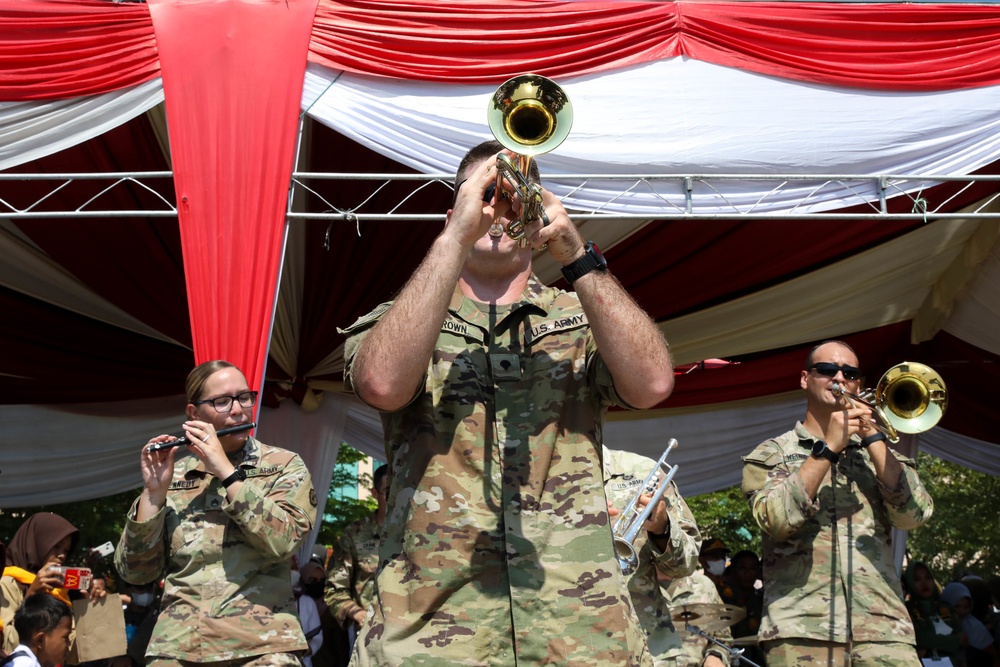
[592,260]
[820,450]
[874,437]
[236,474]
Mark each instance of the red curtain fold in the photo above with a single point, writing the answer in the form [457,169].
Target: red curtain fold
[232,77]
[68,48]
[56,50]
[882,46]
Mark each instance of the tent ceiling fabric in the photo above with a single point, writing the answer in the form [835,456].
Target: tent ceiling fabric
[97,334]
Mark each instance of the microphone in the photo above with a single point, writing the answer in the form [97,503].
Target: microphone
[159,446]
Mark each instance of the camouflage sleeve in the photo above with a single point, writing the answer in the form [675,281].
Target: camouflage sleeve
[141,556]
[777,496]
[680,557]
[339,594]
[276,523]
[909,506]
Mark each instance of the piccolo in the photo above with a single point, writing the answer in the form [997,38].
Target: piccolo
[159,446]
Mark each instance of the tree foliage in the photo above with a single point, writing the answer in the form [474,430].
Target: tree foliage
[725,515]
[341,510]
[964,532]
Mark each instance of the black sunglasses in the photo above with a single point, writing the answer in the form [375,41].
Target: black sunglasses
[826,369]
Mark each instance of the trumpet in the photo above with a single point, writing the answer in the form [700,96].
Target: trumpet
[628,525]
[909,398]
[529,115]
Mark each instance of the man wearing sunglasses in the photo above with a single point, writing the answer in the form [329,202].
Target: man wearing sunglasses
[826,495]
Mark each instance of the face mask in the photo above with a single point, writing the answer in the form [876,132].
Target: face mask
[314,590]
[716,567]
[142,599]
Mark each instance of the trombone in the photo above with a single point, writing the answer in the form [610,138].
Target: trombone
[628,525]
[529,115]
[909,398]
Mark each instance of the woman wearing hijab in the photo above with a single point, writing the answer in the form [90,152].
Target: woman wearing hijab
[980,651]
[938,630]
[42,542]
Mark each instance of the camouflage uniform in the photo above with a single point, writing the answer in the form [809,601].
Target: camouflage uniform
[496,548]
[696,588]
[351,581]
[227,593]
[829,574]
[624,473]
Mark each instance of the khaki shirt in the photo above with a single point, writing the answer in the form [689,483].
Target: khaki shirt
[829,573]
[227,592]
[496,547]
[625,473]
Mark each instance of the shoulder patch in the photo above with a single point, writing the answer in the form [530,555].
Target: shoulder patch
[765,455]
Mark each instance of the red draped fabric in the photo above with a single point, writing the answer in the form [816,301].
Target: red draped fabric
[67,48]
[233,154]
[883,46]
[55,50]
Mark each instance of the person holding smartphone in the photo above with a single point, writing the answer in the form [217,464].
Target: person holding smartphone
[38,549]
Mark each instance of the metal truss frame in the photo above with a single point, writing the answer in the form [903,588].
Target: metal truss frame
[702,197]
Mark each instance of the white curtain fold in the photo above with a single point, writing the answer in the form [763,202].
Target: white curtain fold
[883,285]
[682,116]
[33,130]
[97,446]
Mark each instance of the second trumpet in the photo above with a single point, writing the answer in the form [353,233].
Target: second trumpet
[628,525]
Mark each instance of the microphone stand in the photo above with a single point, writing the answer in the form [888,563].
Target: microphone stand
[735,654]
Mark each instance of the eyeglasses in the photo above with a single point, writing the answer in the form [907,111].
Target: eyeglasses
[826,369]
[247,399]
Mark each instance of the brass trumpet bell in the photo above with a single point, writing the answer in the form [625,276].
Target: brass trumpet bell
[913,395]
[530,114]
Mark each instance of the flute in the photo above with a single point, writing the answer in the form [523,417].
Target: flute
[159,446]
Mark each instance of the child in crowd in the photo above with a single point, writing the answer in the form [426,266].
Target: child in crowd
[43,623]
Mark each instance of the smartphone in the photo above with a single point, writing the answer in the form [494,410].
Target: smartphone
[104,550]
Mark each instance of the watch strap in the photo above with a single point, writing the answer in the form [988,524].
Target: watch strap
[237,474]
[874,437]
[589,261]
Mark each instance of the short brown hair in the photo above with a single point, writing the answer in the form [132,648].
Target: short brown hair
[479,153]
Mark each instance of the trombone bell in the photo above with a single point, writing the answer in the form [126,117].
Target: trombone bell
[909,398]
[914,396]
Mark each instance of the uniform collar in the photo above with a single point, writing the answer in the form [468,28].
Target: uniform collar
[534,297]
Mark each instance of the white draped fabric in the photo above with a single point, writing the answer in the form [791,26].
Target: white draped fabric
[761,125]
[98,450]
[32,130]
